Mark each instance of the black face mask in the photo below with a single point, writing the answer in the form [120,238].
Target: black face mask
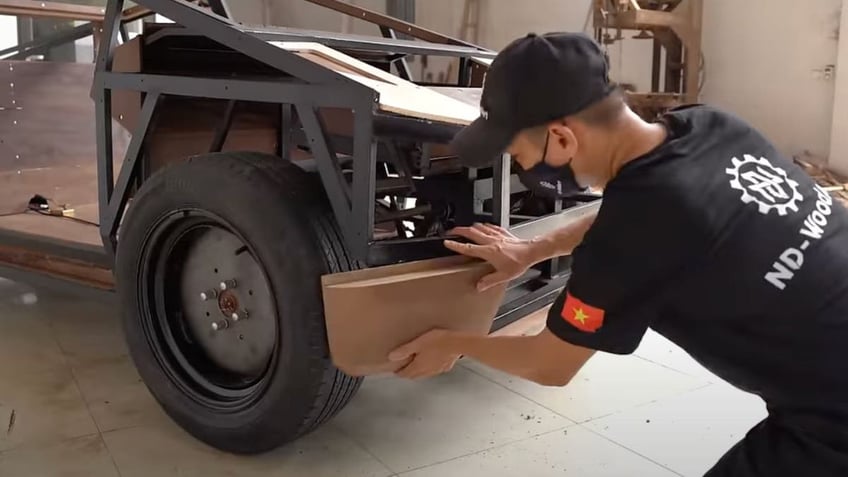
[550,182]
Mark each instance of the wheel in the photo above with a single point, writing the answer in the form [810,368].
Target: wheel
[218,270]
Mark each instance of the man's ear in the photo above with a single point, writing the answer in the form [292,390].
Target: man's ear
[564,144]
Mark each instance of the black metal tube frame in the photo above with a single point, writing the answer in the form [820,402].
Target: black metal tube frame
[354,208]
[42,44]
[313,87]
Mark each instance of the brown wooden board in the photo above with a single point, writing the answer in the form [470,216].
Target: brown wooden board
[61,228]
[47,134]
[63,184]
[469,96]
[46,9]
[396,95]
[370,312]
[57,267]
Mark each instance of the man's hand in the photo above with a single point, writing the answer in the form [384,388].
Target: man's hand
[429,353]
[510,255]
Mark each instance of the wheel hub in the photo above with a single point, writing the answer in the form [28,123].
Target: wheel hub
[228,303]
[221,285]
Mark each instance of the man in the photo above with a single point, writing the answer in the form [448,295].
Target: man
[706,234]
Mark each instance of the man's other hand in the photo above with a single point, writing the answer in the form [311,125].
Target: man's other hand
[510,255]
[429,354]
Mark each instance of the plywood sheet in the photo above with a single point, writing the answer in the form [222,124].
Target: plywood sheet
[72,185]
[47,116]
[53,227]
[396,95]
[371,312]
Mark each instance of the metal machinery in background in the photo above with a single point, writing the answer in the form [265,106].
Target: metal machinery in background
[674,26]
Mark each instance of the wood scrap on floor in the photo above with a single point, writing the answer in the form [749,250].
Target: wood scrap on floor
[830,181]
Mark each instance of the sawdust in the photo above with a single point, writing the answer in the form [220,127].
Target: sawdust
[830,181]
[11,423]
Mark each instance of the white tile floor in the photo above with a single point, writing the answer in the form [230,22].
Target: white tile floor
[71,403]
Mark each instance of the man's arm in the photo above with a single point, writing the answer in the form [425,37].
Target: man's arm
[512,256]
[562,241]
[543,358]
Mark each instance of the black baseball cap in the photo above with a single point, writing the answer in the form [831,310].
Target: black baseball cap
[534,80]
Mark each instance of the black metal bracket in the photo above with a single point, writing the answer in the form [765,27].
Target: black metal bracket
[220,7]
[111,216]
[223,129]
[42,44]
[400,63]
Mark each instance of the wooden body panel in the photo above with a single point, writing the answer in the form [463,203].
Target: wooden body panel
[47,134]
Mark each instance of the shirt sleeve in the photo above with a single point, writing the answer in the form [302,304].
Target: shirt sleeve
[623,271]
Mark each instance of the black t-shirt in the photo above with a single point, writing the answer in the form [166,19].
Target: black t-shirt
[726,247]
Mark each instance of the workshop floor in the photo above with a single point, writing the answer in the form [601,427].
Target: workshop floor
[71,403]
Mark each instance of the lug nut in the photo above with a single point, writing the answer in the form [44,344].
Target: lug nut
[236,316]
[220,325]
[227,285]
[209,294]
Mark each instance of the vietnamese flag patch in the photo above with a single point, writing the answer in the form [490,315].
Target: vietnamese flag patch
[580,315]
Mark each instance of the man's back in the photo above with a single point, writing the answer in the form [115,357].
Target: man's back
[762,299]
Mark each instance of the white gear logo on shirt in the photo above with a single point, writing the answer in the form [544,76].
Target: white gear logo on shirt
[764,184]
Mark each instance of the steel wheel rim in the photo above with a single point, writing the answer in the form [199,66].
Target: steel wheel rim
[174,313]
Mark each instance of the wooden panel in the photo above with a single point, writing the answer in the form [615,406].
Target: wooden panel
[179,146]
[54,227]
[47,116]
[57,267]
[394,304]
[186,126]
[126,104]
[395,94]
[469,96]
[51,10]
[73,185]
[39,9]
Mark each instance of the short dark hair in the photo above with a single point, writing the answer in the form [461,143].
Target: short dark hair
[603,113]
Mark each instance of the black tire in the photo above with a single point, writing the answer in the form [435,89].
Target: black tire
[280,214]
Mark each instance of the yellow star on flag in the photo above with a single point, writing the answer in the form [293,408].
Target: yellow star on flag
[580,315]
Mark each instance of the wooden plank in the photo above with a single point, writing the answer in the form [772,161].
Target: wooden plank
[51,10]
[394,305]
[469,96]
[62,228]
[69,11]
[529,325]
[57,267]
[64,185]
[47,116]
[388,21]
[643,19]
[396,95]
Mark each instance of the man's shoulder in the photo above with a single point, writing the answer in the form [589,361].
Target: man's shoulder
[702,114]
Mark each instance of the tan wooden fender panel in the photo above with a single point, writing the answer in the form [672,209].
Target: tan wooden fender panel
[370,312]
[396,95]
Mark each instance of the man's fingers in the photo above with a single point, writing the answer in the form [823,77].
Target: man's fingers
[491,280]
[487,230]
[404,351]
[475,234]
[471,250]
[497,229]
